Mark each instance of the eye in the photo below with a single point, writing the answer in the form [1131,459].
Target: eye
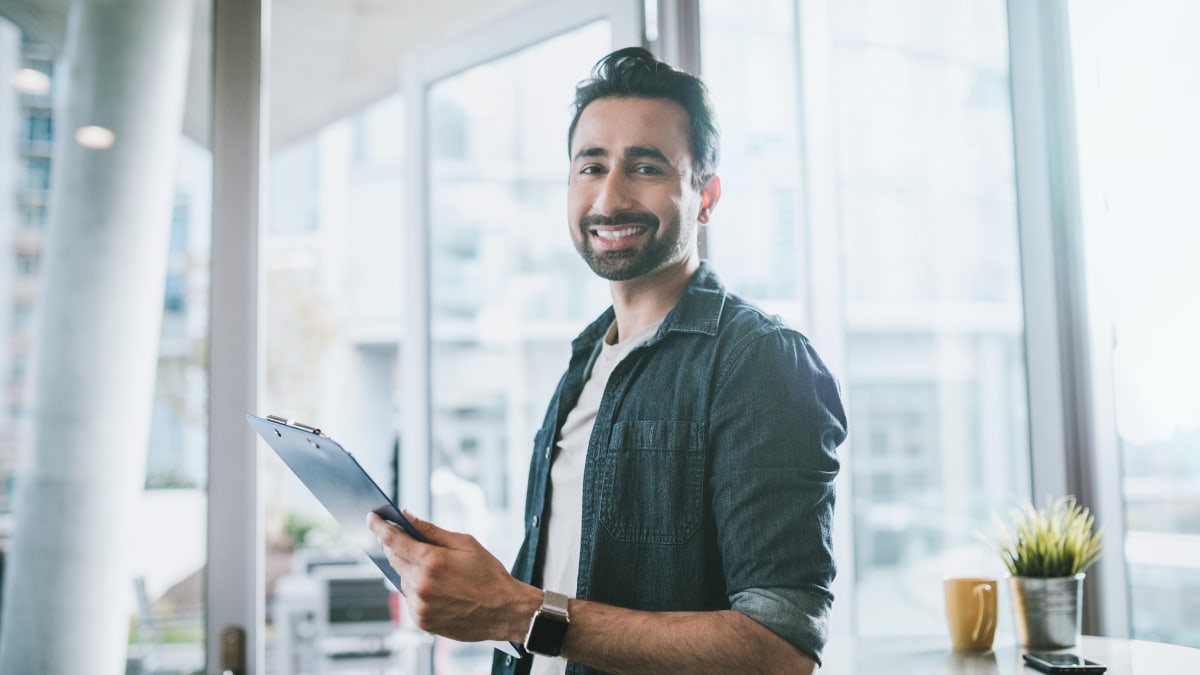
[591,169]
[647,170]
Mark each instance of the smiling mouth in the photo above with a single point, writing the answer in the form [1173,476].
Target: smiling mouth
[617,233]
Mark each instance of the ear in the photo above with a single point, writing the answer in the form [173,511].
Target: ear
[709,195]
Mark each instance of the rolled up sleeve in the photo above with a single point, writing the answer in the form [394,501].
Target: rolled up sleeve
[777,420]
[795,616]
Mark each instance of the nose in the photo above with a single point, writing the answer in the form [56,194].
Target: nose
[613,194]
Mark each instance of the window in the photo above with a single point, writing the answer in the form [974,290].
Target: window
[155,539]
[27,264]
[332,321]
[180,265]
[37,173]
[17,369]
[508,294]
[869,197]
[1136,105]
[22,316]
[33,215]
[39,128]
[508,291]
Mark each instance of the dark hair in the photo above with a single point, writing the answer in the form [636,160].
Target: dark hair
[633,71]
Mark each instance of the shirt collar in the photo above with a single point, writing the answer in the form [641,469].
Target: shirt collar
[698,311]
[699,308]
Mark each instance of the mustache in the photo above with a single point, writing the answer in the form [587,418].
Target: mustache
[620,218]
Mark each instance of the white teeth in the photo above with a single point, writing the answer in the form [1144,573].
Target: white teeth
[613,235]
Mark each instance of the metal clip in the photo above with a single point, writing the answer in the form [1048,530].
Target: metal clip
[292,423]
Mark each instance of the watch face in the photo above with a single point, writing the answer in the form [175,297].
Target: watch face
[546,635]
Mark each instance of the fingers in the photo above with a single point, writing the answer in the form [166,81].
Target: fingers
[379,526]
[454,587]
[398,543]
[432,533]
[395,542]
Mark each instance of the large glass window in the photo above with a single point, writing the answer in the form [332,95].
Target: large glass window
[887,138]
[869,198]
[164,631]
[332,307]
[749,56]
[509,292]
[1137,99]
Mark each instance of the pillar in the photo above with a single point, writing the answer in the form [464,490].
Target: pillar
[68,597]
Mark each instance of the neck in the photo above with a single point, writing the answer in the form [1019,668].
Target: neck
[647,299]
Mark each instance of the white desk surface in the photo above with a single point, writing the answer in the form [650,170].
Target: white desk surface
[934,656]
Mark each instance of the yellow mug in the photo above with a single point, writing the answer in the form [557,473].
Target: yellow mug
[971,612]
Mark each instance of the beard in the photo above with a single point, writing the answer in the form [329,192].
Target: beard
[629,263]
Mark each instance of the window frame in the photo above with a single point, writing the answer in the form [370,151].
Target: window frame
[235,573]
[1073,437]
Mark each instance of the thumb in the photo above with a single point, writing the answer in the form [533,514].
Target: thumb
[432,533]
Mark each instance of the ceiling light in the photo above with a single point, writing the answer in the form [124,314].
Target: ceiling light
[97,138]
[30,81]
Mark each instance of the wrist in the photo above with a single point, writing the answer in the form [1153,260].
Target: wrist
[548,625]
[523,609]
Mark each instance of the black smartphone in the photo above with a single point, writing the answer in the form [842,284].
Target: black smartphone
[1049,662]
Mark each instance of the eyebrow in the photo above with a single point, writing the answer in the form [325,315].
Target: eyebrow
[590,152]
[646,152]
[633,152]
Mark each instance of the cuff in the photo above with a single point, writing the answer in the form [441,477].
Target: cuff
[798,617]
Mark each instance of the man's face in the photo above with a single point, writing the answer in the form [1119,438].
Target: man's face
[631,204]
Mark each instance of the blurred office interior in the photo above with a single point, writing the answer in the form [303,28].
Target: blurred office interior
[981,213]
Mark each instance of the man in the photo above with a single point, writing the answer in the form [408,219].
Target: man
[681,486]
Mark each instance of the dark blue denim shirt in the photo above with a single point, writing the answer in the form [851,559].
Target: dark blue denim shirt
[709,480]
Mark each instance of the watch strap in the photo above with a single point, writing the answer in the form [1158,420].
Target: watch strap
[555,603]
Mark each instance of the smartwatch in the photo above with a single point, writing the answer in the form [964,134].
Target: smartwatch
[548,628]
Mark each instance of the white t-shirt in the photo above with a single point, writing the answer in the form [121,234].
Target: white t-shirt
[560,570]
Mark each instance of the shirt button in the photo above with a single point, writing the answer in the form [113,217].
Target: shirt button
[508,661]
[536,520]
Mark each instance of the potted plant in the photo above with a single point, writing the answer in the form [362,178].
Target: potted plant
[1047,551]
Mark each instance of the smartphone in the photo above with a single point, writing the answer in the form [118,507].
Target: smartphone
[1048,662]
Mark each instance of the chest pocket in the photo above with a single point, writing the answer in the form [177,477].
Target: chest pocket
[653,482]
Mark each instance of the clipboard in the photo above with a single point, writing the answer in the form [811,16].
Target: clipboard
[337,480]
[342,486]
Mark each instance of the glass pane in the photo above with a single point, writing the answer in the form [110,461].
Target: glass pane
[749,57]
[508,290]
[332,262]
[164,631]
[1136,90]
[332,287]
[922,210]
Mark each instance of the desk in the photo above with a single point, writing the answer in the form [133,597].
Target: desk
[933,656]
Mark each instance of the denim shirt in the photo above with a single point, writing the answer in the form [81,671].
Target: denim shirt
[709,480]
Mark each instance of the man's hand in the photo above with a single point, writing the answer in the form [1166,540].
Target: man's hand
[453,586]
[456,588]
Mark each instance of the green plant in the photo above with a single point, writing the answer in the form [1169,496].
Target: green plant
[1057,540]
[298,526]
